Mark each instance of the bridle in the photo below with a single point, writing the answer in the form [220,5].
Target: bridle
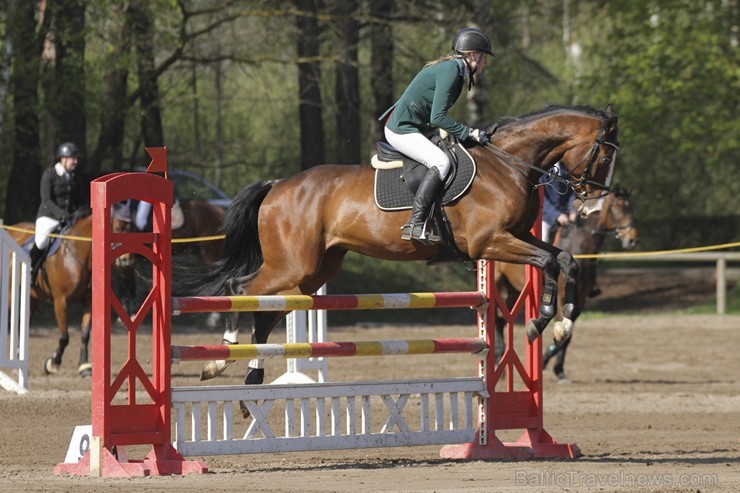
[585,179]
[576,185]
[619,230]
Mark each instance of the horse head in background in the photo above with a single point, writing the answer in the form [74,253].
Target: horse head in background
[290,236]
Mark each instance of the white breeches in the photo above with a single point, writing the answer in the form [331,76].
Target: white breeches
[421,149]
[44,226]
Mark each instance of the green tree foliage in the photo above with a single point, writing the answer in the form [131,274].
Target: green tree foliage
[671,68]
[227,96]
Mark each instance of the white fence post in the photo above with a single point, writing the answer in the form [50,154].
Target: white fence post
[305,326]
[15,306]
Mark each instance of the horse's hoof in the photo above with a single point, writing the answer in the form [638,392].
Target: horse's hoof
[212,369]
[562,378]
[50,367]
[532,332]
[85,370]
[254,376]
[245,411]
[562,330]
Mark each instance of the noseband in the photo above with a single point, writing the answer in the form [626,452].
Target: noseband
[585,178]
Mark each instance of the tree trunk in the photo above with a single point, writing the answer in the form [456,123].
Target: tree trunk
[309,78]
[115,104]
[381,71]
[22,194]
[347,86]
[143,40]
[65,98]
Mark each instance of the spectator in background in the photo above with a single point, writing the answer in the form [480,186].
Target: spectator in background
[557,209]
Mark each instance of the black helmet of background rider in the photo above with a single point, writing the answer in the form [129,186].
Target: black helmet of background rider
[68,149]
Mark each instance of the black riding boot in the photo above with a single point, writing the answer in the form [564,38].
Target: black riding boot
[36,257]
[425,196]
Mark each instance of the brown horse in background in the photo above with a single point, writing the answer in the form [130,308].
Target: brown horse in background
[290,236]
[586,237]
[201,220]
[63,279]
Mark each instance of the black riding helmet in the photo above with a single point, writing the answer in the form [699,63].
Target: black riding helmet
[471,39]
[68,149]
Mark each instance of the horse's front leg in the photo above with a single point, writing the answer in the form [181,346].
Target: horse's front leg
[85,368]
[571,308]
[51,365]
[548,299]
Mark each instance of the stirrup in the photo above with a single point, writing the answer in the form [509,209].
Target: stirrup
[418,232]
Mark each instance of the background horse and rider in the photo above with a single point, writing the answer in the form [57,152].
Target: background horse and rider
[291,236]
[199,232]
[64,279]
[585,237]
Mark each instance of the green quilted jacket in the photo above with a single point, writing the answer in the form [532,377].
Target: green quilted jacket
[425,102]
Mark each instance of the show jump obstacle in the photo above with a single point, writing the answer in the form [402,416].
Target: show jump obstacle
[132,406]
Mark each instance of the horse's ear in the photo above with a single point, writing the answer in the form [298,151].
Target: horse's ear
[609,110]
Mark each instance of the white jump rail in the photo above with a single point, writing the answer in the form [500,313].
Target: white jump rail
[325,416]
[15,287]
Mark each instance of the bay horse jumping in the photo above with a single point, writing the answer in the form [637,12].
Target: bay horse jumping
[290,236]
[63,279]
[585,237]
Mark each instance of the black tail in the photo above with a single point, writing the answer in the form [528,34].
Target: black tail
[242,250]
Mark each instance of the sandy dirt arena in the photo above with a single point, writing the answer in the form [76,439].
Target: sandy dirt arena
[654,406]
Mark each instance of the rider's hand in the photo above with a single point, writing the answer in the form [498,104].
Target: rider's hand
[563,219]
[480,136]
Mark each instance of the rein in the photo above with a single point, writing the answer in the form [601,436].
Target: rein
[574,185]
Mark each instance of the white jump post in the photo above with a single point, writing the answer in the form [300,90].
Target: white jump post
[305,326]
[15,307]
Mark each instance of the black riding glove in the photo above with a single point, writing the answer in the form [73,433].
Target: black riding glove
[480,136]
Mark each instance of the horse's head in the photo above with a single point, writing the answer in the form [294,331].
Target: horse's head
[590,155]
[616,216]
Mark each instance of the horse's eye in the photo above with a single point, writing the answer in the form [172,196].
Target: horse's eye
[606,160]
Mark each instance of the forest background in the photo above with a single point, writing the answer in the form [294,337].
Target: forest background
[252,89]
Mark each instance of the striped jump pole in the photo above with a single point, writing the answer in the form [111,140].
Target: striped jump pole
[328,349]
[199,304]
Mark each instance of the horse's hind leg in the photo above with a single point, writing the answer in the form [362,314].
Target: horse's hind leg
[264,322]
[51,365]
[212,369]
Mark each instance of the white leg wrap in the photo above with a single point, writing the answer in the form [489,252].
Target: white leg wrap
[562,329]
[256,364]
[231,336]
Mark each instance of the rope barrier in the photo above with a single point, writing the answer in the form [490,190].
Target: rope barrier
[580,256]
[85,238]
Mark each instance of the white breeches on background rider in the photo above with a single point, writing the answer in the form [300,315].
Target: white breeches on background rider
[419,148]
[143,210]
[44,226]
[546,227]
